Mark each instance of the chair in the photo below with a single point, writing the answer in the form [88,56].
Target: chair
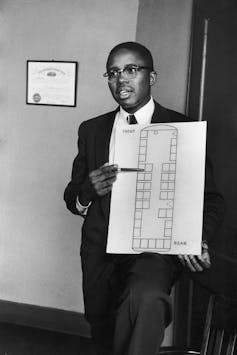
[217,338]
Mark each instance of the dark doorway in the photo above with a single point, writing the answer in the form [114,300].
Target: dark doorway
[220,111]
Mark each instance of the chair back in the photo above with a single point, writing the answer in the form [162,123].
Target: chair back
[217,340]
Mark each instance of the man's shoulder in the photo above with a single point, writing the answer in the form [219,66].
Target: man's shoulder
[100,118]
[178,116]
[170,115]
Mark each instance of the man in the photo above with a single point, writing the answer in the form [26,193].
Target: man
[126,297]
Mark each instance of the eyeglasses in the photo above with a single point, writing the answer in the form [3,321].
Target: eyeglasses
[129,72]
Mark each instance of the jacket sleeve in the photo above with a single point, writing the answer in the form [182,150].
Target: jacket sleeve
[214,207]
[80,184]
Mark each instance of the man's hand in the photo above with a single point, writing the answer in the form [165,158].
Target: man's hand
[102,179]
[197,262]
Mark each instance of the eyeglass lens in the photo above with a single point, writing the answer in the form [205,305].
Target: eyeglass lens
[129,72]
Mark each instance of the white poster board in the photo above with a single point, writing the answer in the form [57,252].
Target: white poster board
[159,209]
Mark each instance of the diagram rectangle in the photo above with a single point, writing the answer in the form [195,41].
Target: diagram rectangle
[161,209]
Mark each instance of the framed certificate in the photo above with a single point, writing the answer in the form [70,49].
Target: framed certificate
[51,83]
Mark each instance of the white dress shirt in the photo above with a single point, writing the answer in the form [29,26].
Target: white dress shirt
[143,116]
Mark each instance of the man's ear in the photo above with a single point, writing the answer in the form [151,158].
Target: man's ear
[153,78]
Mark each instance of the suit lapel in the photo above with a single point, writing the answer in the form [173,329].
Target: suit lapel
[103,138]
[160,114]
[102,151]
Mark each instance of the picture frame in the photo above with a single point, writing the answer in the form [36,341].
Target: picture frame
[51,83]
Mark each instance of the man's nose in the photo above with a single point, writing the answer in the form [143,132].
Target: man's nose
[122,76]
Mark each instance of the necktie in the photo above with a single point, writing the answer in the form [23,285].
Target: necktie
[131,119]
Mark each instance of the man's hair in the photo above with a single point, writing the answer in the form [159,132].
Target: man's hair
[136,47]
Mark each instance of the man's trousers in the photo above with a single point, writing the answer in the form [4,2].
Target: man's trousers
[127,300]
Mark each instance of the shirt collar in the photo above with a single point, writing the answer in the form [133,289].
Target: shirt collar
[143,115]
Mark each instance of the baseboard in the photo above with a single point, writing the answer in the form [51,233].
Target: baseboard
[43,317]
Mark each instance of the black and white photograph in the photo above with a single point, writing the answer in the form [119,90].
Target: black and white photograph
[118,194]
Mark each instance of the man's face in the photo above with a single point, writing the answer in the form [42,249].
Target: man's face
[133,93]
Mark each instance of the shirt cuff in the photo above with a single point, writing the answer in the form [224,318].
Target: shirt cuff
[82,209]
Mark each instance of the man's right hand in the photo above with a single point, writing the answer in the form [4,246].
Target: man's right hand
[102,179]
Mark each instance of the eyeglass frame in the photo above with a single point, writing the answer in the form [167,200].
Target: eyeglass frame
[119,71]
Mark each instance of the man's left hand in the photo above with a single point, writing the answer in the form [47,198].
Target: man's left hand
[197,262]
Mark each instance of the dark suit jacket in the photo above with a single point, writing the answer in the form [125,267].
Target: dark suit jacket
[93,151]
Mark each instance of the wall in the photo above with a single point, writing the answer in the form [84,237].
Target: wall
[164,26]
[39,238]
